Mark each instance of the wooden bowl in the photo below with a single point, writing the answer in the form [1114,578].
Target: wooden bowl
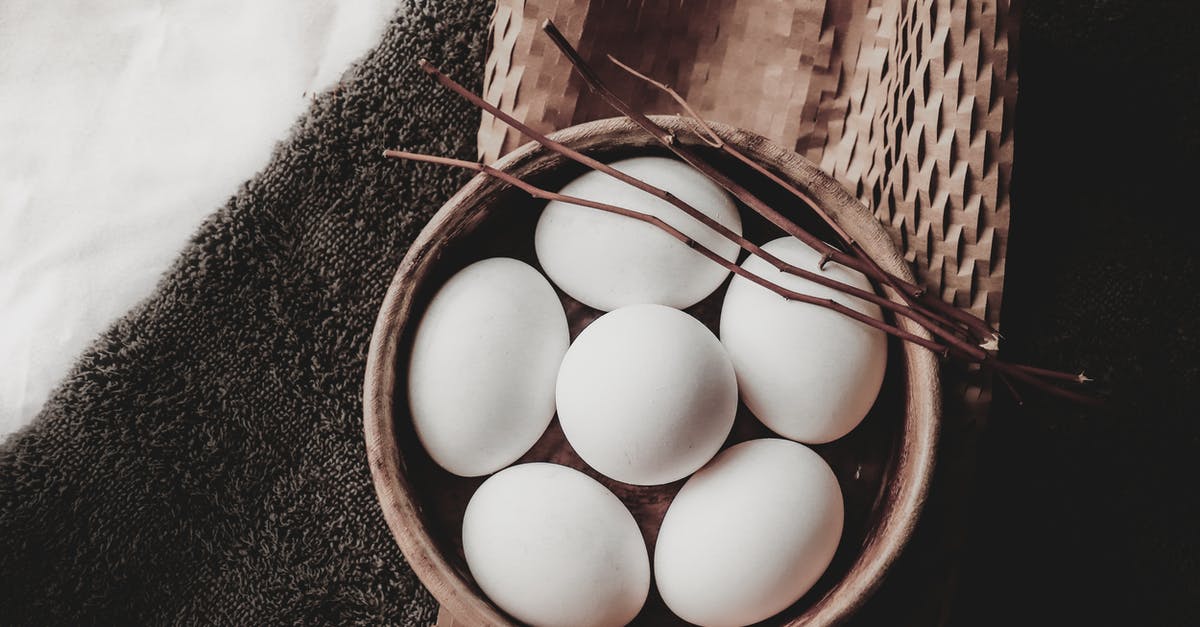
[884,465]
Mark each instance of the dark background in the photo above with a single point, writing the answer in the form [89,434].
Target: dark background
[1089,517]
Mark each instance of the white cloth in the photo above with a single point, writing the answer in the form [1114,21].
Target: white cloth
[122,124]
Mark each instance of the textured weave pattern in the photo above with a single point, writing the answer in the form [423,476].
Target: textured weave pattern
[908,103]
[204,462]
[921,129]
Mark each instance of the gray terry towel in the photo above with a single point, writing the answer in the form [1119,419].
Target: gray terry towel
[204,462]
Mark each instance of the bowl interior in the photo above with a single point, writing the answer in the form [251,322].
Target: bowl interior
[501,223]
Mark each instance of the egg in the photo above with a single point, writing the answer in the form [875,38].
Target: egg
[749,534]
[483,365]
[607,261]
[808,373]
[552,547]
[646,394]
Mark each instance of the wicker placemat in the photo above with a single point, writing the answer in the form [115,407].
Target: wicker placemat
[909,103]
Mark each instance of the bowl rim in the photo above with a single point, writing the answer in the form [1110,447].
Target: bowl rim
[915,458]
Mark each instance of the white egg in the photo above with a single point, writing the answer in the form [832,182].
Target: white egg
[646,394]
[483,365]
[749,534]
[808,373]
[608,261]
[552,547]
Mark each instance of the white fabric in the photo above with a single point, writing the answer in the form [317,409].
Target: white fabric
[122,124]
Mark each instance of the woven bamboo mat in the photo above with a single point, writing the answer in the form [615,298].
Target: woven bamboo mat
[908,103]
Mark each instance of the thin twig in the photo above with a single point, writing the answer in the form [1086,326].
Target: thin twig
[711,223]
[657,222]
[577,156]
[1012,389]
[936,316]
[1043,385]
[861,262]
[910,292]
[710,137]
[1080,379]
[692,158]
